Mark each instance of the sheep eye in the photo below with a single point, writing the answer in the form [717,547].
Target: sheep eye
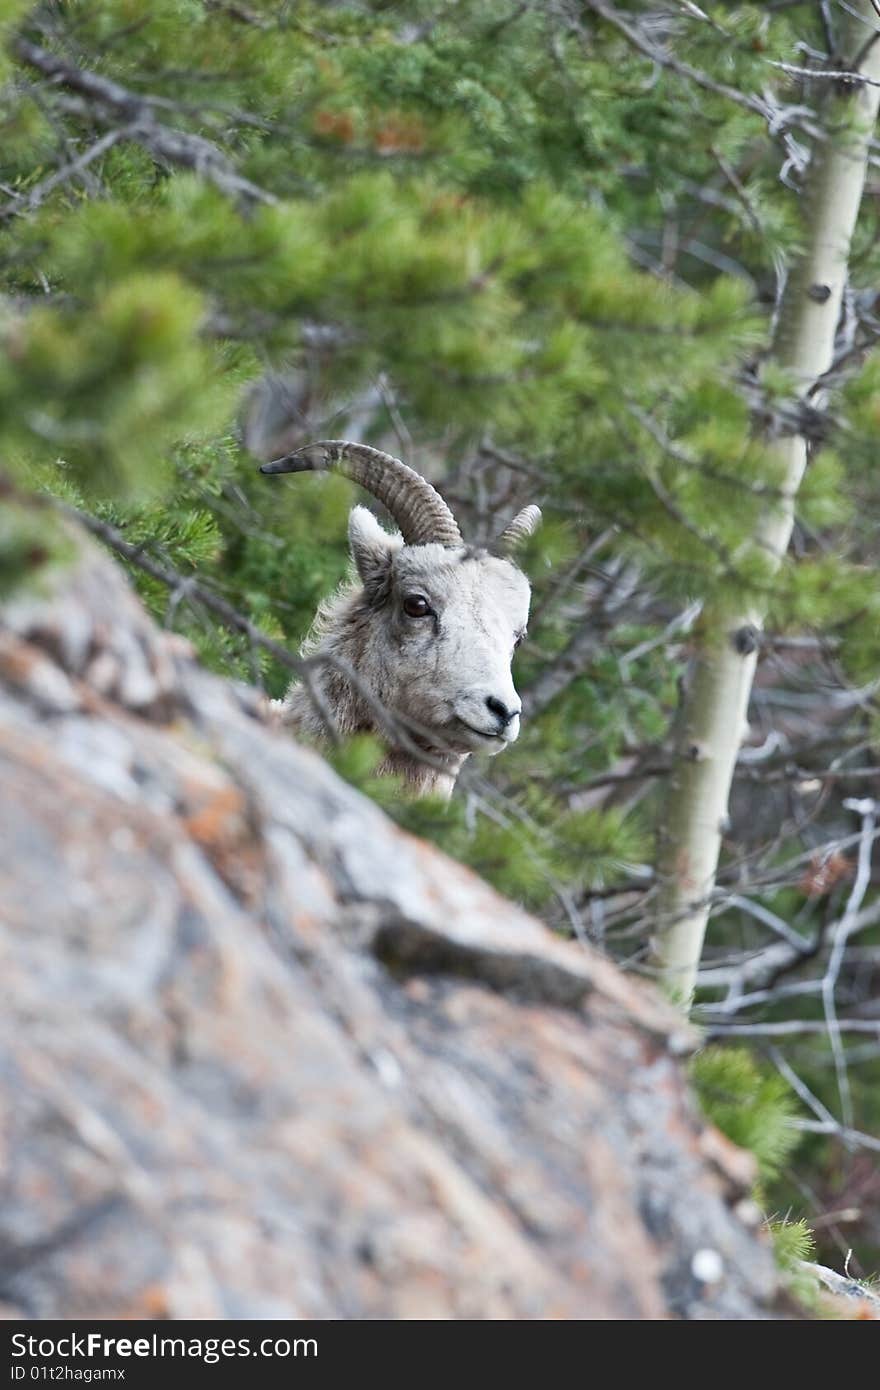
[416,606]
[520,638]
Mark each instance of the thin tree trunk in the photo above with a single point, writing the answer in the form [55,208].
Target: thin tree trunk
[715,704]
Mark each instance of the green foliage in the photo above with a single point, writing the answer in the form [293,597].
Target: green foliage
[793,1243]
[109,389]
[510,844]
[10,14]
[481,233]
[753,1106]
[356,759]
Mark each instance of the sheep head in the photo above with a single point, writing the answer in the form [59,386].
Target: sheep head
[437,622]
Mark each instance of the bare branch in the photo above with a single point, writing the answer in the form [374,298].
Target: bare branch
[825,1122]
[767,965]
[867,809]
[664,59]
[840,75]
[27,202]
[791,1028]
[109,102]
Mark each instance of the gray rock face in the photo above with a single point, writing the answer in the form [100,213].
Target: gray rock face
[264,1055]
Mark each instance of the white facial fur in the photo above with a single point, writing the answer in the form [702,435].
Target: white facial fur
[449,670]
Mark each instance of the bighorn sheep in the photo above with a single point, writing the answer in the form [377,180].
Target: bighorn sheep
[429,631]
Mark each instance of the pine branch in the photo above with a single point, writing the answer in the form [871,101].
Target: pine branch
[108,103]
[184,585]
[664,59]
[585,644]
[28,202]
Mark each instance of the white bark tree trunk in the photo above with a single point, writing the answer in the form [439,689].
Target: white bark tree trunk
[713,716]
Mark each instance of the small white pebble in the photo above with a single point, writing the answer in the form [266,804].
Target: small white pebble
[707,1266]
[681,1044]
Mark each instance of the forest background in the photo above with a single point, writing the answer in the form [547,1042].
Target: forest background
[541,251]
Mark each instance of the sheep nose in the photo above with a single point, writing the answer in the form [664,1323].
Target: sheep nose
[500,710]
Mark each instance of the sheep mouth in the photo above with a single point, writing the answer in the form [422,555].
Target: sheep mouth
[499,737]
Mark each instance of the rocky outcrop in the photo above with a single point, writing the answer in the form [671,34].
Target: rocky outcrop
[264,1055]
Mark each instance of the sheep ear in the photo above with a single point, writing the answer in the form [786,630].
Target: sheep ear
[372,548]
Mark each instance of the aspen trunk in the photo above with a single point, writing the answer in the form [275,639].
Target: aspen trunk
[715,705]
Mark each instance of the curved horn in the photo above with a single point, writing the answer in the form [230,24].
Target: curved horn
[518,530]
[417,508]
